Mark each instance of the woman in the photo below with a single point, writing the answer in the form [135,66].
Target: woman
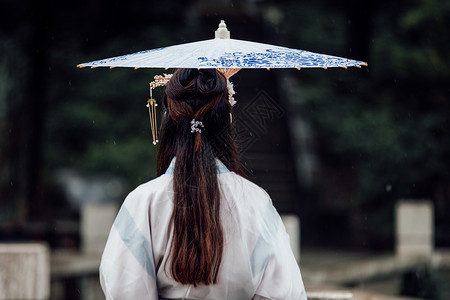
[199,230]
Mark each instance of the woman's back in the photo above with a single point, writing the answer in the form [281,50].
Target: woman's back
[257,259]
[199,230]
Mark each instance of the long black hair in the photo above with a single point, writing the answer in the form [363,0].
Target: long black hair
[199,95]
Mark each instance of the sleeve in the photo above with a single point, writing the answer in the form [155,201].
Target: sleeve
[281,278]
[127,268]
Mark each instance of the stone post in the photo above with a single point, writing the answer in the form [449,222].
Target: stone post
[24,271]
[414,228]
[96,222]
[292,224]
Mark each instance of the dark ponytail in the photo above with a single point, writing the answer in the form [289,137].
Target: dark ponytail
[197,244]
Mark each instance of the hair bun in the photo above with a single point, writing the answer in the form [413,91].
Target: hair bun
[187,75]
[209,82]
[190,83]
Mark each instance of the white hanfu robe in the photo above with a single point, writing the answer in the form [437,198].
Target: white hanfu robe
[257,261]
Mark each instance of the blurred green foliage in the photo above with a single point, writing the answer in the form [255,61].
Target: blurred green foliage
[388,121]
[391,119]
[105,130]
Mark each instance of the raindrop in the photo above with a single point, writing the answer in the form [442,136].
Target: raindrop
[388,187]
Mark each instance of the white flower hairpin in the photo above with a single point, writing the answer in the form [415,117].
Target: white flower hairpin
[195,126]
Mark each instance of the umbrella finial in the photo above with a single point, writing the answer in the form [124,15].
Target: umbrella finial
[222,32]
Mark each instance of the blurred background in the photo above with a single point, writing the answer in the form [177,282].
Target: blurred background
[337,148]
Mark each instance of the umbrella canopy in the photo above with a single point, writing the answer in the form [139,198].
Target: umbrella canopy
[224,52]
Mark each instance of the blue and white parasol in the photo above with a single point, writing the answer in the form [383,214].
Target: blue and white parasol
[224,52]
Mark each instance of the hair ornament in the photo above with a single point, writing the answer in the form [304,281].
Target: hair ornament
[195,126]
[162,80]
[151,104]
[231,92]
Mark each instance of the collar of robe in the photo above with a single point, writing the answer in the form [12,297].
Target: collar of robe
[221,168]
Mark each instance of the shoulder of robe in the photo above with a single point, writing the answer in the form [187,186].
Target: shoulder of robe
[247,189]
[149,190]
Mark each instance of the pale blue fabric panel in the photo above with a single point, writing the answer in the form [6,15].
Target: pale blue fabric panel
[137,244]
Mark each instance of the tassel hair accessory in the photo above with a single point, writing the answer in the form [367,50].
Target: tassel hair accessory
[162,80]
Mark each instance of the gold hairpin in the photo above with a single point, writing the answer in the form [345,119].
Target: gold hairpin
[160,80]
[151,104]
